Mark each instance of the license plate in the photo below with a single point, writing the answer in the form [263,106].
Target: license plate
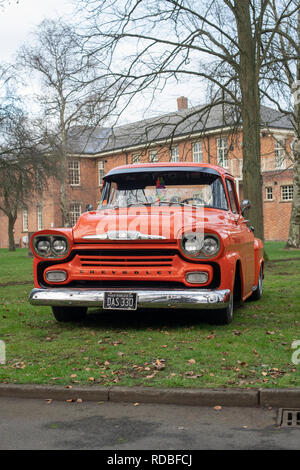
[120,301]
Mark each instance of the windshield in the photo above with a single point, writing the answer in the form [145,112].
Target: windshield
[164,188]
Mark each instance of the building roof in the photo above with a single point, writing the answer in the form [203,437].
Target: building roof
[163,128]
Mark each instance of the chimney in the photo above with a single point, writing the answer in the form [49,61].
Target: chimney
[182,103]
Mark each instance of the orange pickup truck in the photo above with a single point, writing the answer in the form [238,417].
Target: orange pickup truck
[165,235]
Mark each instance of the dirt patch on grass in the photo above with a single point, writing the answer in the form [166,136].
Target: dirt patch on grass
[23,283]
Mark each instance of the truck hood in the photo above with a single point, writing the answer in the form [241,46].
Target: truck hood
[145,223]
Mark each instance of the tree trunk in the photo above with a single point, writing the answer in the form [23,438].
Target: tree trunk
[294,233]
[250,110]
[64,175]
[11,238]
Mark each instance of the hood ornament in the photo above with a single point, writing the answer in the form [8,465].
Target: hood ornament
[123,235]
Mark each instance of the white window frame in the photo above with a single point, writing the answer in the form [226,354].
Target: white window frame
[174,154]
[74,212]
[222,152]
[153,156]
[287,192]
[100,172]
[25,220]
[136,158]
[197,152]
[40,222]
[74,172]
[280,154]
[268,192]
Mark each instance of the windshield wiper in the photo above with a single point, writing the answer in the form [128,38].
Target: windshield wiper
[173,203]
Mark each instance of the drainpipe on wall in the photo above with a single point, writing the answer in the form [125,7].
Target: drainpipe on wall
[208,150]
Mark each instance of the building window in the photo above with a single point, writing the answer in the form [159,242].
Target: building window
[222,153]
[75,212]
[74,173]
[197,152]
[287,193]
[175,154]
[269,193]
[279,154]
[100,172]
[153,156]
[136,158]
[40,217]
[25,220]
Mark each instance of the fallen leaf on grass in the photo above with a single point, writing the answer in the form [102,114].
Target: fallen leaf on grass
[191,361]
[210,336]
[159,365]
[237,333]
[151,376]
[19,365]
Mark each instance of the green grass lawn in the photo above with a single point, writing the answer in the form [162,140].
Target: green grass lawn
[15,266]
[169,349]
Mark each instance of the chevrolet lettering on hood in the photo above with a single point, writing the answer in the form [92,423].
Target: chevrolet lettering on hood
[123,235]
[165,235]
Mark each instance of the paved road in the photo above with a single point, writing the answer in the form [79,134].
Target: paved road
[34,424]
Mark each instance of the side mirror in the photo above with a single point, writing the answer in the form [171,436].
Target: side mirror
[245,204]
[89,208]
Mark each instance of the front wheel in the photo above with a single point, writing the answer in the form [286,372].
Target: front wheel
[224,316]
[69,314]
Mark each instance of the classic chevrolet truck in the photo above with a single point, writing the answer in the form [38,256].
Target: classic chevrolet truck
[165,235]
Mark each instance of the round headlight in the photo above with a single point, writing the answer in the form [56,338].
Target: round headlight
[210,246]
[60,246]
[43,247]
[191,244]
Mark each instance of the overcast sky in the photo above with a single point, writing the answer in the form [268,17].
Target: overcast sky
[17,20]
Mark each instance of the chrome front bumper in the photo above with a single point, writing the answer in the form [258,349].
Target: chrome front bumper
[146,298]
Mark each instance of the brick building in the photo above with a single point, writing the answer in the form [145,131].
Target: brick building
[189,134]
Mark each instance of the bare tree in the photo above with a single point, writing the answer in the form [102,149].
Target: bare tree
[3,3]
[70,98]
[281,86]
[25,163]
[219,42]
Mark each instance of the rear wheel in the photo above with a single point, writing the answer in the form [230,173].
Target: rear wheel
[259,288]
[69,314]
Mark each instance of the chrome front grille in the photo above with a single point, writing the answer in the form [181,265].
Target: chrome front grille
[127,258]
[128,261]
